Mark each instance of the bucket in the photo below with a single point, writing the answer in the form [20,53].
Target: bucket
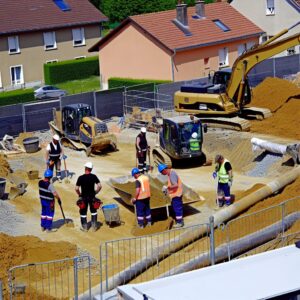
[2,187]
[33,174]
[31,144]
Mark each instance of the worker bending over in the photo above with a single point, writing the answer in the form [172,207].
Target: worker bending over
[87,186]
[223,171]
[47,196]
[142,198]
[175,191]
[142,148]
[54,154]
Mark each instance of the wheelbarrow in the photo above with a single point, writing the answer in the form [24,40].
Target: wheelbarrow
[111,214]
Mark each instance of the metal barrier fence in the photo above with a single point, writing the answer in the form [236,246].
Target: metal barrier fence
[58,279]
[144,258]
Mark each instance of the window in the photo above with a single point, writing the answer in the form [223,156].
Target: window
[16,75]
[78,37]
[250,45]
[242,49]
[13,44]
[223,57]
[221,25]
[270,9]
[0,81]
[53,61]
[80,57]
[49,40]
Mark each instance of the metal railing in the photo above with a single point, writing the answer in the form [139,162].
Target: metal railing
[60,279]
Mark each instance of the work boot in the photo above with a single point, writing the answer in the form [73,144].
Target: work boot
[220,203]
[94,223]
[51,230]
[141,226]
[227,203]
[178,225]
[84,226]
[149,224]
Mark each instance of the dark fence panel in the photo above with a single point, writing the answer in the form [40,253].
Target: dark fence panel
[87,98]
[11,121]
[287,65]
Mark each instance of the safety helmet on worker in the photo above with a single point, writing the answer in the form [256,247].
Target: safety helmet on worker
[56,137]
[143,130]
[194,135]
[48,173]
[135,171]
[89,165]
[162,167]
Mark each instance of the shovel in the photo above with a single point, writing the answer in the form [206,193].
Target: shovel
[66,170]
[149,161]
[69,223]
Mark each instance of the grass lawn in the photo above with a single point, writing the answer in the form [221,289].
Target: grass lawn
[81,86]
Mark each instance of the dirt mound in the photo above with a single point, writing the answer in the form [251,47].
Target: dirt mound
[28,249]
[22,136]
[283,123]
[4,166]
[296,80]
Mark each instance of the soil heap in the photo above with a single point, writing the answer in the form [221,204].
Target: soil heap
[4,166]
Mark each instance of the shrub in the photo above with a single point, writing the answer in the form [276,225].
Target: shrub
[71,70]
[16,96]
[114,82]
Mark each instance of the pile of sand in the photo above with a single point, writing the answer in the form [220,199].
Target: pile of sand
[22,136]
[296,80]
[4,166]
[272,93]
[28,249]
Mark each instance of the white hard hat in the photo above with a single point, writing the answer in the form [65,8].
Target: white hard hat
[56,137]
[194,135]
[89,165]
[143,129]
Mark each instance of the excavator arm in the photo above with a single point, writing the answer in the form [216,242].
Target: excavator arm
[243,65]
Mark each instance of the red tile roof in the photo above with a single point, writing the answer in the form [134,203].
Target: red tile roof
[204,31]
[31,15]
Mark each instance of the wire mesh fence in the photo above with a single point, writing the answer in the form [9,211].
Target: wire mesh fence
[58,279]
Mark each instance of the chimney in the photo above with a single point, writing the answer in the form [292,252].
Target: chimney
[181,10]
[200,9]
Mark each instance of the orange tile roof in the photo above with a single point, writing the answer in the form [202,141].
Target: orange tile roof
[204,32]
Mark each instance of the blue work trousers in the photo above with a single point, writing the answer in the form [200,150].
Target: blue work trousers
[178,208]
[47,213]
[224,192]
[143,210]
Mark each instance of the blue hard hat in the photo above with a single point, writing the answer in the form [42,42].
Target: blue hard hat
[135,171]
[162,167]
[48,173]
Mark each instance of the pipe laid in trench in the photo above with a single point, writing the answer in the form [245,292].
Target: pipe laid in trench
[188,236]
[236,247]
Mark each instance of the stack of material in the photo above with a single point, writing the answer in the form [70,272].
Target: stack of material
[7,146]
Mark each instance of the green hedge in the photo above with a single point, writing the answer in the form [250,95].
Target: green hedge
[16,96]
[114,82]
[71,70]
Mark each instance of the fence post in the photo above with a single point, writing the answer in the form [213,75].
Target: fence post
[212,240]
[23,118]
[282,222]
[1,294]
[95,104]
[274,67]
[75,268]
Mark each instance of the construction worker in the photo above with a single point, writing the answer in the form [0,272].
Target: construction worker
[142,198]
[54,154]
[142,148]
[194,142]
[223,171]
[175,191]
[47,196]
[87,186]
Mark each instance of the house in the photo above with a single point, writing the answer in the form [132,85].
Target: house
[272,16]
[35,32]
[180,44]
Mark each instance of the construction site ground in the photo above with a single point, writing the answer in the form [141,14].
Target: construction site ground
[20,218]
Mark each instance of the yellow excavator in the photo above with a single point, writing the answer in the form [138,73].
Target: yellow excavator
[229,92]
[79,130]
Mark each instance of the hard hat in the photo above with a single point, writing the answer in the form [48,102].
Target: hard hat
[143,129]
[162,167]
[89,165]
[194,135]
[135,171]
[48,173]
[56,137]
[218,157]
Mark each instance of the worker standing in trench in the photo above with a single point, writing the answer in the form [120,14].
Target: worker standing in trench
[142,198]
[87,186]
[223,171]
[54,155]
[47,197]
[142,148]
[175,191]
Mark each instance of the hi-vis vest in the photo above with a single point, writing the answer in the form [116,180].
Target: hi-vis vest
[44,193]
[222,173]
[194,145]
[178,192]
[144,188]
[54,153]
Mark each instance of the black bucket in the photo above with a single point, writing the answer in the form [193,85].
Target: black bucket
[31,144]
[2,187]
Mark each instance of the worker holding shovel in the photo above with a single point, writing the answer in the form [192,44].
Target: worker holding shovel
[47,196]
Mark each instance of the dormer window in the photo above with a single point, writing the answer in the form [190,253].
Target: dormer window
[270,9]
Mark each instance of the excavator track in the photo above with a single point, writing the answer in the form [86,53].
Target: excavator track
[256,113]
[159,157]
[234,123]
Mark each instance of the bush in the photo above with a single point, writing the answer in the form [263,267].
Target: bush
[71,70]
[114,82]
[16,96]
